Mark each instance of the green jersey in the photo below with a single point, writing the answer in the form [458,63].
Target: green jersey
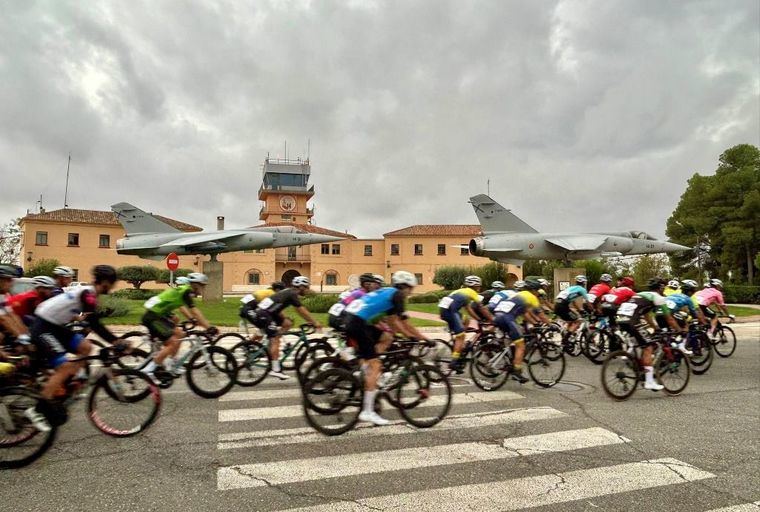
[167,301]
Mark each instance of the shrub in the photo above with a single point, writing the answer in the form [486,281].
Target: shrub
[450,277]
[42,268]
[320,303]
[735,294]
[113,306]
[429,297]
[135,294]
[137,275]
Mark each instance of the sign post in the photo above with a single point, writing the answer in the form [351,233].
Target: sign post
[172,263]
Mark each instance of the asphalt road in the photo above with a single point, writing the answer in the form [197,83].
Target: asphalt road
[564,449]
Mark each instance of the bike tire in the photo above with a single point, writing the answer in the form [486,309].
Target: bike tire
[725,344]
[673,373]
[483,375]
[150,403]
[628,381]
[230,339]
[140,350]
[222,367]
[332,401]
[315,352]
[415,394]
[16,450]
[549,357]
[597,347]
[253,362]
[701,363]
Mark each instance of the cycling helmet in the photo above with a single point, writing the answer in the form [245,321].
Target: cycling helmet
[43,282]
[300,281]
[544,282]
[473,281]
[7,272]
[627,281]
[104,273]
[182,280]
[277,286]
[581,279]
[367,278]
[716,283]
[63,271]
[532,284]
[379,279]
[605,278]
[402,277]
[498,285]
[673,283]
[688,285]
[197,277]
[519,285]
[655,283]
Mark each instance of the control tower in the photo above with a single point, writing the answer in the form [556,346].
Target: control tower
[285,191]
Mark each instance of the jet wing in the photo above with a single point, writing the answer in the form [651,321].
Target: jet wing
[578,242]
[489,249]
[200,239]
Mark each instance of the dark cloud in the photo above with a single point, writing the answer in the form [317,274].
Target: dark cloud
[584,115]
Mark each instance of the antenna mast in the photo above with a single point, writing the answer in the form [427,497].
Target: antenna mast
[488,187]
[66,194]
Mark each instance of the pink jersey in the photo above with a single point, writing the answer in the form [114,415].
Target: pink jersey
[709,296]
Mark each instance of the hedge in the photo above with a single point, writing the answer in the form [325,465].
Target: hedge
[736,294]
[136,294]
[429,297]
[320,303]
[113,306]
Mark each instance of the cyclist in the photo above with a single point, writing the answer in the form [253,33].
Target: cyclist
[161,321]
[673,287]
[502,295]
[449,307]
[63,277]
[712,295]
[24,304]
[599,290]
[54,339]
[269,318]
[496,287]
[678,304]
[635,315]
[10,325]
[336,315]
[618,295]
[569,303]
[543,295]
[362,318]
[510,313]
[252,300]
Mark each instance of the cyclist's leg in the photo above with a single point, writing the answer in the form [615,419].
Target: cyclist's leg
[367,338]
[454,320]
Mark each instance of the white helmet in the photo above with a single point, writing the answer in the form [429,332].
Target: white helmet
[605,278]
[300,281]
[716,282]
[380,279]
[63,271]
[403,277]
[673,283]
[544,282]
[197,277]
[581,279]
[43,282]
[519,285]
[182,280]
[498,285]
[473,281]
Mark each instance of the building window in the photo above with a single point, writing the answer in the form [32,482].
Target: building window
[76,274]
[325,248]
[73,239]
[41,238]
[464,251]
[287,217]
[441,249]
[418,249]
[368,250]
[331,278]
[419,278]
[259,251]
[104,241]
[254,277]
[394,250]
[336,249]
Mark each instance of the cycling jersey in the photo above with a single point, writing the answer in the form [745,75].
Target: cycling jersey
[24,304]
[571,293]
[597,291]
[517,306]
[486,296]
[677,302]
[280,300]
[500,296]
[639,305]
[337,309]
[709,296]
[375,305]
[458,299]
[167,301]
[251,302]
[670,291]
[66,307]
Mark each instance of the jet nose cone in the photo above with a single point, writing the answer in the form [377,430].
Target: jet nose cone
[323,239]
[671,247]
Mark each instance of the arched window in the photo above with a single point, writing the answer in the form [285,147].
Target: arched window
[331,278]
[253,277]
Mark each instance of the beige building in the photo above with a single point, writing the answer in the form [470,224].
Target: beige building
[84,238]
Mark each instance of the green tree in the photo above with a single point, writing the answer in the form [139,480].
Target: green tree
[450,277]
[721,212]
[649,266]
[137,275]
[163,275]
[43,267]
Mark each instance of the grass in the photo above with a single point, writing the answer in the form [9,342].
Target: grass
[743,311]
[225,313]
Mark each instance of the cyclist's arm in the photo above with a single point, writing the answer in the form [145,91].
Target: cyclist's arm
[187,313]
[197,315]
[649,317]
[404,327]
[471,312]
[12,323]
[306,315]
[485,314]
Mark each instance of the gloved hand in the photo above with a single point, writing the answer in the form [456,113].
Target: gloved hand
[212,331]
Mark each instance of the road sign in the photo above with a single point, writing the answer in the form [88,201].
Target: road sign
[172,262]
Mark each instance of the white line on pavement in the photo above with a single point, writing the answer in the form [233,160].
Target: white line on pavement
[302,470]
[266,394]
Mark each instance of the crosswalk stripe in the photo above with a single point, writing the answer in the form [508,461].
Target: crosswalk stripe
[292,411]
[534,491]
[744,507]
[308,435]
[302,470]
[266,394]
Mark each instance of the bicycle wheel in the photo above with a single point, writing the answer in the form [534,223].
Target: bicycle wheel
[415,398]
[314,352]
[139,350]
[597,346]
[253,362]
[21,443]
[325,363]
[725,344]
[703,355]
[673,371]
[332,401]
[440,356]
[228,340]
[546,364]
[115,408]
[572,345]
[211,372]
[620,375]
[489,368]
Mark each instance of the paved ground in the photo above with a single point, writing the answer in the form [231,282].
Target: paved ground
[568,449]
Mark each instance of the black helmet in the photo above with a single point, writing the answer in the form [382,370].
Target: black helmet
[689,285]
[104,273]
[656,283]
[532,284]
[277,286]
[8,271]
[367,277]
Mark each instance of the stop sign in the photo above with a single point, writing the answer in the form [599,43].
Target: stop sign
[172,262]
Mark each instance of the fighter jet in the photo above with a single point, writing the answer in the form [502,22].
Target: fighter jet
[150,238]
[508,239]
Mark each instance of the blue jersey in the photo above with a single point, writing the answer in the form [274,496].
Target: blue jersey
[571,293]
[375,305]
[500,296]
[676,302]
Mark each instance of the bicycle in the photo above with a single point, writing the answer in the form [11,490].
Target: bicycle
[622,371]
[112,391]
[442,352]
[724,339]
[701,348]
[600,339]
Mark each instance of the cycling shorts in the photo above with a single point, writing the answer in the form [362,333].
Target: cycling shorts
[453,319]
[366,336]
[709,313]
[54,341]
[159,327]
[562,310]
[509,325]
[638,331]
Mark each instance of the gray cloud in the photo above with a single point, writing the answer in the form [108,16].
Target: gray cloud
[584,115]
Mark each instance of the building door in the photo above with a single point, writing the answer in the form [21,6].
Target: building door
[288,276]
[292,253]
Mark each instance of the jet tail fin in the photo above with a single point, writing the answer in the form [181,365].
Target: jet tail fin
[135,221]
[494,218]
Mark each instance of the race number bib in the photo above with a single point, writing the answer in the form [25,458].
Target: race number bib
[266,303]
[336,309]
[248,298]
[505,306]
[610,297]
[446,303]
[153,301]
[671,305]
[627,309]
[355,306]
[591,298]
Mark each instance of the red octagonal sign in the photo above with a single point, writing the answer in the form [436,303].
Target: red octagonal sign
[172,262]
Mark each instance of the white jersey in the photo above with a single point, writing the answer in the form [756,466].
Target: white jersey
[63,308]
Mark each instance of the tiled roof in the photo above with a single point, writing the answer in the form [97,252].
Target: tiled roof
[310,229]
[438,230]
[97,217]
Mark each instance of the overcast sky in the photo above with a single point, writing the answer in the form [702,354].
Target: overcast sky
[584,115]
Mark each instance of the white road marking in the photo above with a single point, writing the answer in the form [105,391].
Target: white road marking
[302,470]
[266,394]
[293,411]
[308,435]
[534,491]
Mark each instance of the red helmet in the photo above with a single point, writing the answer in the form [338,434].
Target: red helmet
[627,281]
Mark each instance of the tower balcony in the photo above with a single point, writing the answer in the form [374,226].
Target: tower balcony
[265,190]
